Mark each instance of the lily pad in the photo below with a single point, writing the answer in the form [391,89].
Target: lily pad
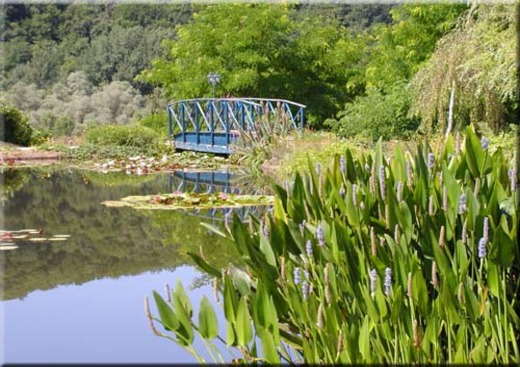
[58,239]
[176,201]
[38,239]
[62,235]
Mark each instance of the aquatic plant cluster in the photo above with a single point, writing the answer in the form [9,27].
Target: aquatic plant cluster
[409,259]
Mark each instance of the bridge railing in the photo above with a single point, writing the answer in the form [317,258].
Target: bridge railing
[229,116]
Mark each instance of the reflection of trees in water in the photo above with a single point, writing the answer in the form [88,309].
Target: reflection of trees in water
[104,242]
[11,180]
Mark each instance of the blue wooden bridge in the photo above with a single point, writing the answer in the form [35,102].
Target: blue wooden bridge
[214,125]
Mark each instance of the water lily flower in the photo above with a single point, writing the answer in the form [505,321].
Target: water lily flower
[223,196]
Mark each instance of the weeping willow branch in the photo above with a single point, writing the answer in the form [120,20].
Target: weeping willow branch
[479,57]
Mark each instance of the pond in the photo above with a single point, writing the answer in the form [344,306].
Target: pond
[80,300]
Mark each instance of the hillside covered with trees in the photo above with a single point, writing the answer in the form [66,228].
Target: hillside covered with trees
[370,70]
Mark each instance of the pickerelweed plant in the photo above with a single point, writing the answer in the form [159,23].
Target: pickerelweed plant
[411,259]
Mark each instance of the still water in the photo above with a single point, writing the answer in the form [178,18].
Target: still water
[81,300]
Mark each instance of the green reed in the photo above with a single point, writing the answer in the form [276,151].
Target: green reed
[375,260]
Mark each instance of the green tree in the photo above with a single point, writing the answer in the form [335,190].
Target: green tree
[259,52]
[13,126]
[399,49]
[475,67]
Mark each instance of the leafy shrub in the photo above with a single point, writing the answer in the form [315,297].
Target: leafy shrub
[40,137]
[125,135]
[14,127]
[411,259]
[157,122]
[377,115]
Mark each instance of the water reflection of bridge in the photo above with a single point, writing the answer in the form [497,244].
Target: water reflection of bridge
[215,182]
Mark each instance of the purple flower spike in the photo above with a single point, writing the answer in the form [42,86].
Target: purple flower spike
[485,143]
[388,281]
[462,204]
[320,235]
[308,248]
[431,160]
[342,164]
[373,277]
[482,250]
[297,278]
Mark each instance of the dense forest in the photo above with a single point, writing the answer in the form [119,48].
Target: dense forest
[374,70]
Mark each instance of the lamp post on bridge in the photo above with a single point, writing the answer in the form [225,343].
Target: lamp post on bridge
[214,79]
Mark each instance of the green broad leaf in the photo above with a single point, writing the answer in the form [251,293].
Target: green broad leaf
[231,334]
[185,331]
[478,353]
[398,165]
[279,209]
[268,346]
[372,311]
[180,294]
[352,211]
[281,195]
[474,153]
[503,248]
[449,304]
[493,281]
[241,281]
[507,205]
[214,229]
[420,293]
[444,266]
[208,323]
[204,265]
[350,167]
[294,341]
[364,341]
[230,300]
[472,305]
[264,312]
[265,248]
[243,323]
[397,305]
[166,313]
